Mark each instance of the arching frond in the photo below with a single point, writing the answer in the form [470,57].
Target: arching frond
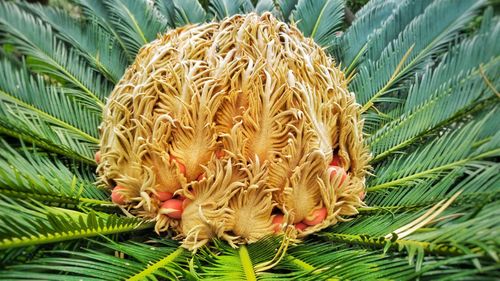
[478,186]
[403,15]
[93,42]
[444,93]
[95,11]
[48,55]
[419,41]
[130,261]
[31,175]
[267,6]
[226,8]
[451,150]
[354,42]
[28,111]
[319,19]
[136,22]
[244,263]
[179,12]
[25,223]
[286,7]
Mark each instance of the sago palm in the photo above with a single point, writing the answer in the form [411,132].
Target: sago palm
[424,73]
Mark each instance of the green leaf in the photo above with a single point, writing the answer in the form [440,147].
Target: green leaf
[189,12]
[444,93]
[95,12]
[28,113]
[319,19]
[420,40]
[26,223]
[449,151]
[369,19]
[226,8]
[93,42]
[286,7]
[28,174]
[48,55]
[136,22]
[143,261]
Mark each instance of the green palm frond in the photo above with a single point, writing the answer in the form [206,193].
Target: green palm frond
[179,13]
[319,19]
[48,55]
[160,259]
[95,12]
[403,14]
[478,186]
[27,102]
[447,152]
[29,175]
[267,6]
[369,20]
[324,261]
[286,7]
[27,223]
[135,21]
[389,211]
[221,262]
[226,8]
[447,92]
[91,40]
[420,40]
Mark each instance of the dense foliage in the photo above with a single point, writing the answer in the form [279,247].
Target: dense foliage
[426,73]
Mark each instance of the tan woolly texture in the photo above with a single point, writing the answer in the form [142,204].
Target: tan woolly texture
[253,112]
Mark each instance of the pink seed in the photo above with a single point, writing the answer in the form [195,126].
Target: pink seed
[116,196]
[97,157]
[164,195]
[181,166]
[362,195]
[219,153]
[277,221]
[300,226]
[174,208]
[316,217]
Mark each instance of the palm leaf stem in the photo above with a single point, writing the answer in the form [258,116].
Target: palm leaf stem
[394,243]
[488,81]
[66,200]
[70,235]
[150,269]
[354,62]
[304,266]
[246,263]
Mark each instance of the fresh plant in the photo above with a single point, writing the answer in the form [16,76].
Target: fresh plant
[427,84]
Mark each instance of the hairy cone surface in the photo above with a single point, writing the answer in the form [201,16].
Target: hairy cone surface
[245,121]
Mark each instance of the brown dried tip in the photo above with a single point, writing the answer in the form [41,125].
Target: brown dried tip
[216,128]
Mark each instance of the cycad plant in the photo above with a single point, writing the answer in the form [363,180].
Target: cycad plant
[426,76]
